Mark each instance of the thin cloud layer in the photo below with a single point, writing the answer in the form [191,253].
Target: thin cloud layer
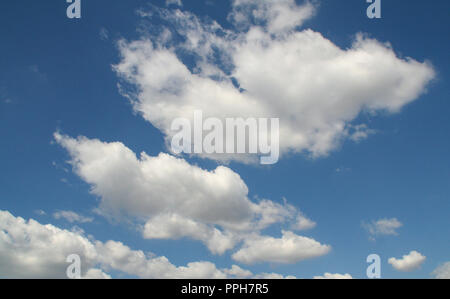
[268,69]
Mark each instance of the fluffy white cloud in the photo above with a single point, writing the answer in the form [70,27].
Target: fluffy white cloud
[442,272]
[72,217]
[175,227]
[29,249]
[118,256]
[150,186]
[316,88]
[383,227]
[290,248]
[334,276]
[173,198]
[409,262]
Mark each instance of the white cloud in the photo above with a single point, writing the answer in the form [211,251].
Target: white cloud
[360,132]
[303,223]
[173,198]
[383,227]
[174,2]
[273,276]
[150,186]
[239,273]
[442,272]
[96,274]
[118,256]
[29,249]
[290,248]
[334,276]
[175,227]
[72,217]
[409,262]
[277,16]
[316,88]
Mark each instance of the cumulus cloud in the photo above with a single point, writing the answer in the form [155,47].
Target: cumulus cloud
[175,227]
[29,249]
[442,272]
[268,69]
[72,217]
[173,198]
[290,248]
[383,227]
[334,276]
[409,262]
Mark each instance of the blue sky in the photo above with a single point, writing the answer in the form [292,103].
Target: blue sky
[56,75]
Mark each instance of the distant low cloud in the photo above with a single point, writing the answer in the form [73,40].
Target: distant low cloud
[334,276]
[409,262]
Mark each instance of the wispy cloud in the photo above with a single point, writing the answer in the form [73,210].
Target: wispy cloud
[383,227]
[72,217]
[174,2]
[442,272]
[104,34]
[40,212]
